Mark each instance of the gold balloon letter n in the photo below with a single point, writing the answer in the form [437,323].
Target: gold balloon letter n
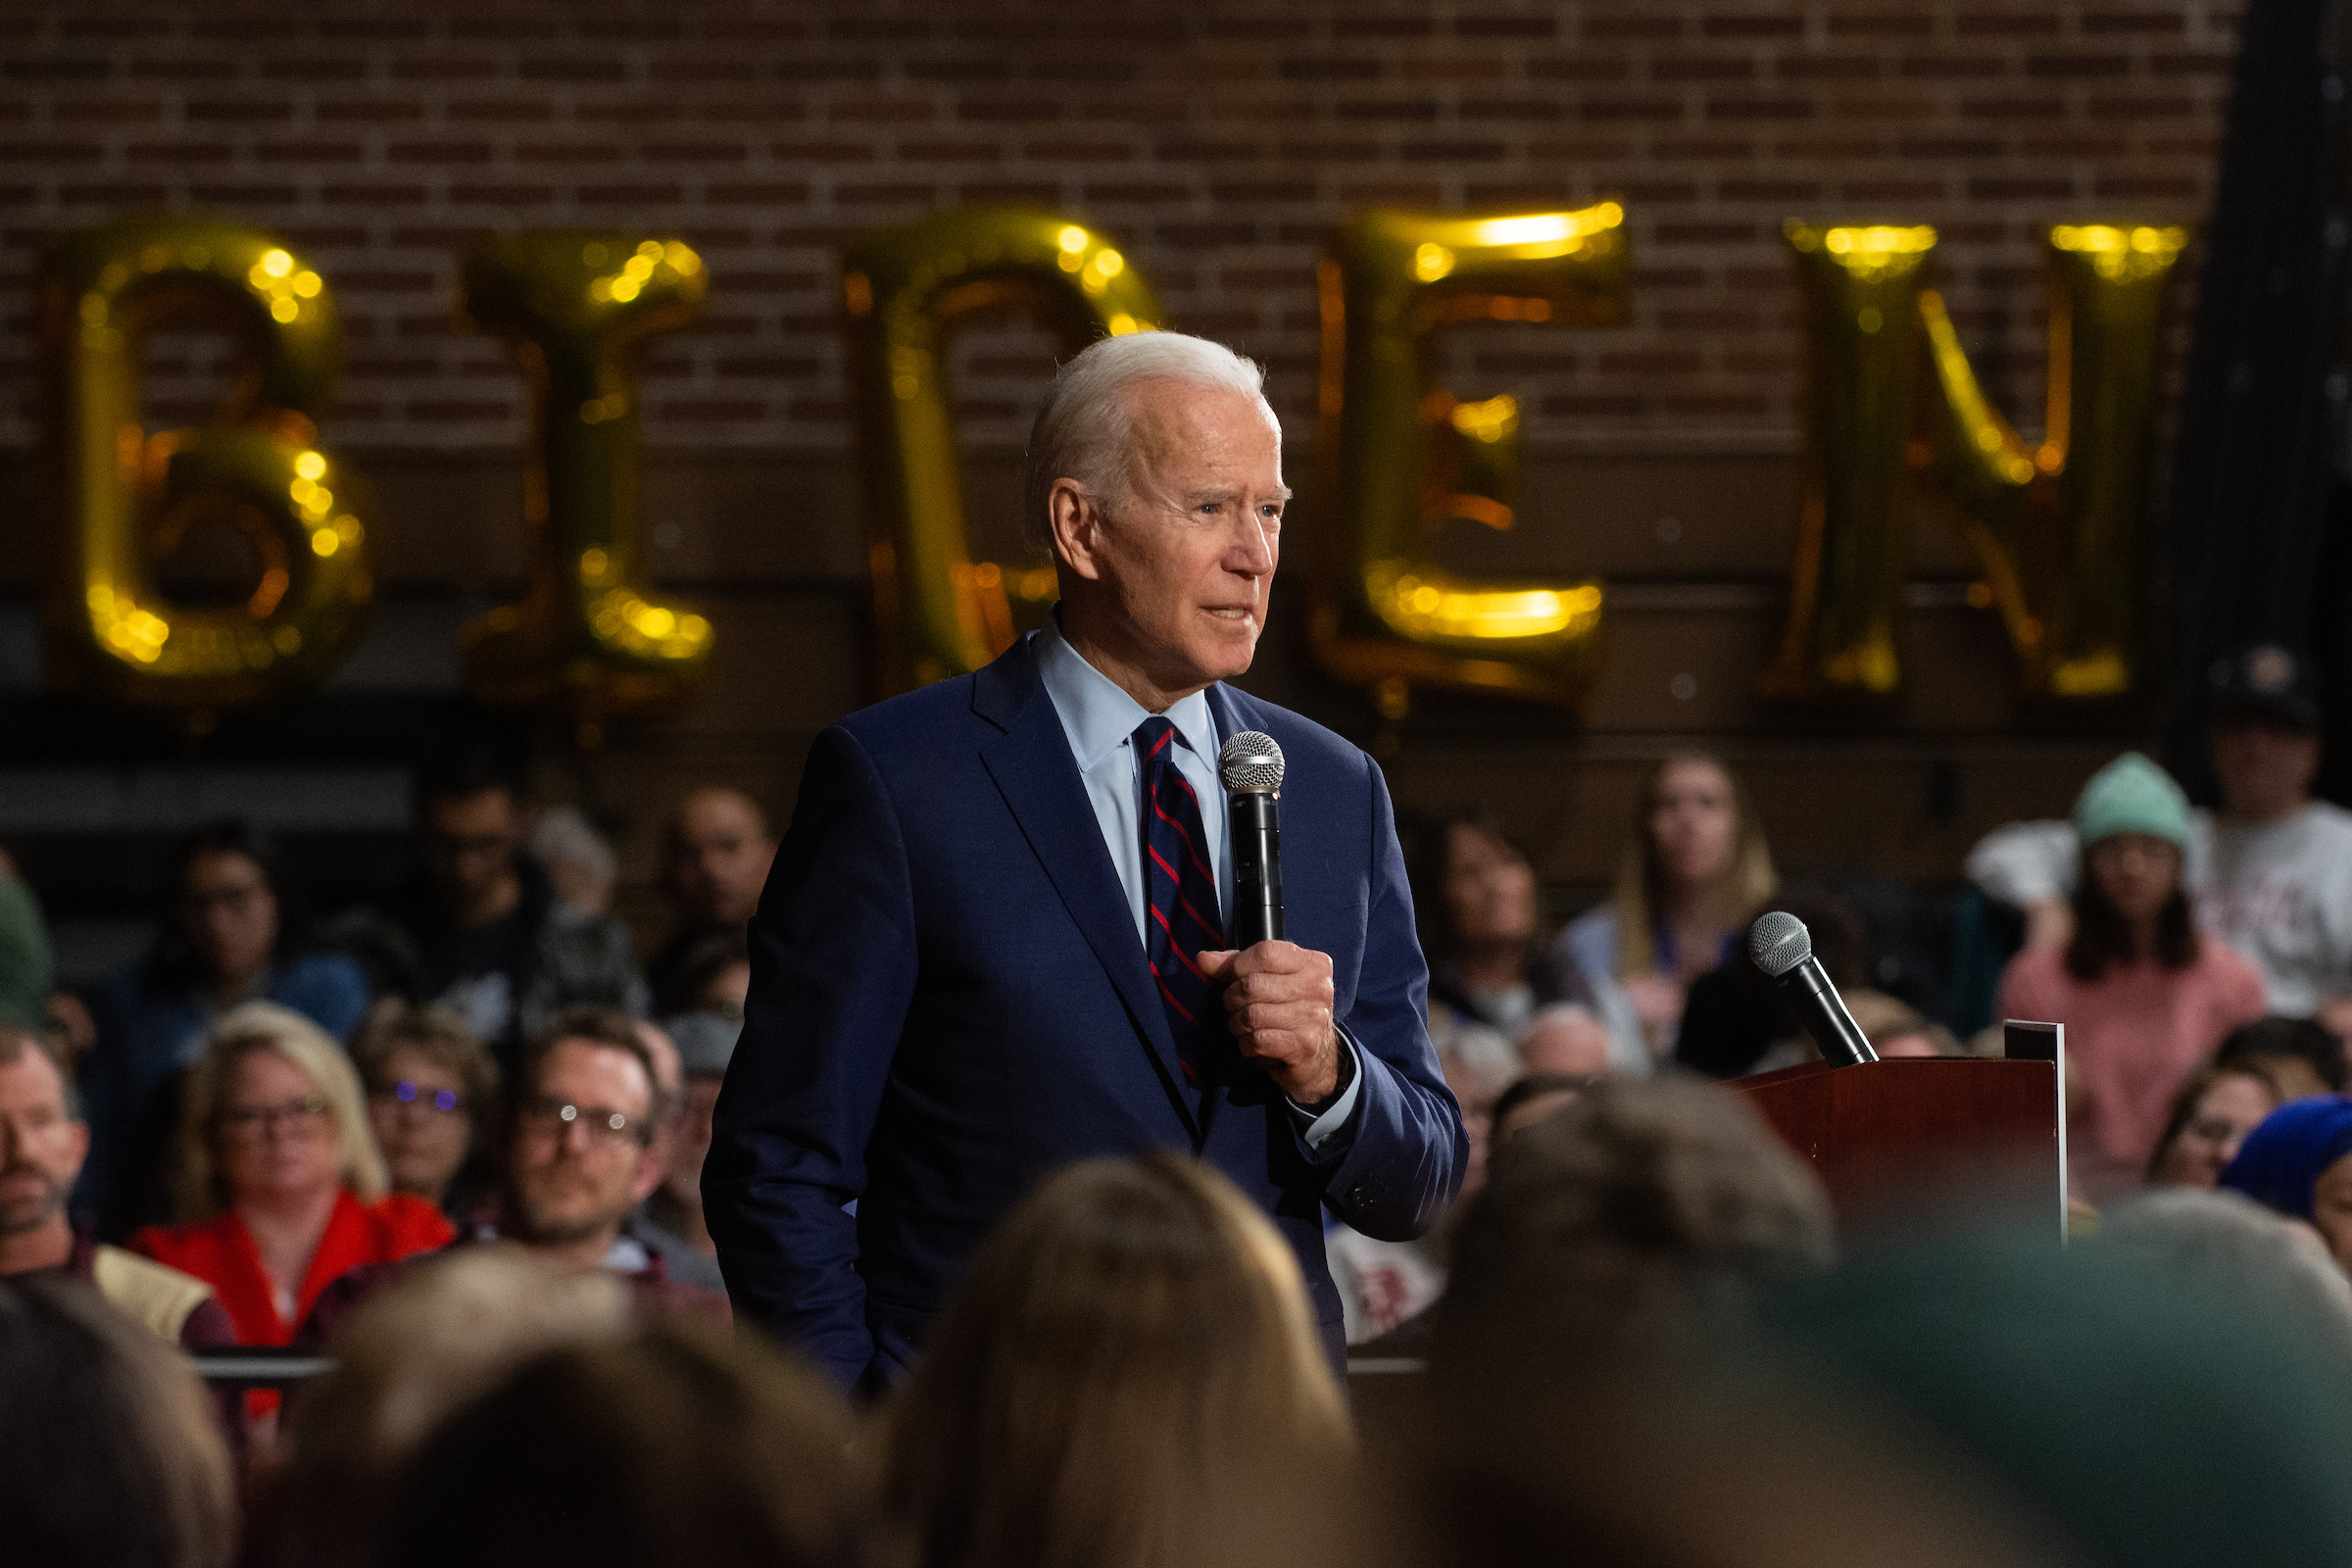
[1399,455]
[2058,530]
[576,308]
[906,290]
[118,499]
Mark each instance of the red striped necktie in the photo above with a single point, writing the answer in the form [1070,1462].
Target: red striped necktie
[1181,916]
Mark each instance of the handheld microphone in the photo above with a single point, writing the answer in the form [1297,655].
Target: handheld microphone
[1783,949]
[1250,767]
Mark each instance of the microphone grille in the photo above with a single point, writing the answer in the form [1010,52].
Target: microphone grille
[1779,942]
[1250,760]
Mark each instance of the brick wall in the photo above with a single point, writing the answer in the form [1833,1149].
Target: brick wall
[1219,142]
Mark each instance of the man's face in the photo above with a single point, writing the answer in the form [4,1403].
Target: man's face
[1186,559]
[230,914]
[469,843]
[42,1147]
[719,853]
[2265,766]
[576,1179]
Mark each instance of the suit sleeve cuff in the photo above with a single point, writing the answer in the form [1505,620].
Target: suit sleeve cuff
[1319,1128]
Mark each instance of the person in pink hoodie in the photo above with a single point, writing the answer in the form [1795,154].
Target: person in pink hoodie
[2144,997]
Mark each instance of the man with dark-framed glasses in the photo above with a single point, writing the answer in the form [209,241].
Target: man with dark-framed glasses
[580,1155]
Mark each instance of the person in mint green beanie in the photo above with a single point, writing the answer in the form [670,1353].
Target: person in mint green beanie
[2144,996]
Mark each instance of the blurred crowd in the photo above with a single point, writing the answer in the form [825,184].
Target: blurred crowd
[453,1138]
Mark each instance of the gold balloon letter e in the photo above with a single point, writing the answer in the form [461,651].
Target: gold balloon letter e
[118,497]
[576,307]
[1399,455]
[906,290]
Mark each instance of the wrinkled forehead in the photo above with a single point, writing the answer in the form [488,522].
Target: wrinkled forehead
[1167,417]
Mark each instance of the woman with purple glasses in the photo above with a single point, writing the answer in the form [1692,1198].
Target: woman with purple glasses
[428,1080]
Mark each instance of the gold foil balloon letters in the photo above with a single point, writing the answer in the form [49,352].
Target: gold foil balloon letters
[1854,543]
[2058,530]
[117,499]
[903,292]
[2061,529]
[576,307]
[1399,455]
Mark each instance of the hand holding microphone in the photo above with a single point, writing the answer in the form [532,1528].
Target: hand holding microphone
[1783,949]
[1278,996]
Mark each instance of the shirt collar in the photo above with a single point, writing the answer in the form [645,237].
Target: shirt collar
[1097,714]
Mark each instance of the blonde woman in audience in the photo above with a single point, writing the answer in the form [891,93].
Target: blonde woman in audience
[278,1185]
[1696,871]
[1129,1374]
[430,1082]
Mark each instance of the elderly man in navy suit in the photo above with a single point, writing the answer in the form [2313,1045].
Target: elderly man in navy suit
[994,939]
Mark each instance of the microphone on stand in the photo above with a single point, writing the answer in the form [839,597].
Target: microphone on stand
[1250,767]
[1783,949]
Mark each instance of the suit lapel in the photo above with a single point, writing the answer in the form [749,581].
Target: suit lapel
[1033,770]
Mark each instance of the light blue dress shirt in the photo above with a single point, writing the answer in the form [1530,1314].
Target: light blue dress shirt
[1100,720]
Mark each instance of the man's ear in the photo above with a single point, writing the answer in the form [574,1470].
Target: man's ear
[1074,523]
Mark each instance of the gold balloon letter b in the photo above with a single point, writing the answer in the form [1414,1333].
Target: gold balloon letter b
[1401,457]
[118,499]
[576,307]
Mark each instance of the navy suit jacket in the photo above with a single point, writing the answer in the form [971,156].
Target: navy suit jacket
[949,1001]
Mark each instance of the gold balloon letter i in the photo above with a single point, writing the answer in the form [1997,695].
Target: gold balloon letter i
[576,307]
[904,291]
[2059,529]
[115,499]
[1399,455]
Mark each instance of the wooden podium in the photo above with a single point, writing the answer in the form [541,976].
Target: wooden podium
[1892,1136]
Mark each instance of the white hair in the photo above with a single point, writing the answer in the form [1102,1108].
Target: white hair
[2233,1245]
[1081,433]
[1490,1060]
[564,834]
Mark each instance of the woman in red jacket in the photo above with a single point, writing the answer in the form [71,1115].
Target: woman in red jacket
[277,1182]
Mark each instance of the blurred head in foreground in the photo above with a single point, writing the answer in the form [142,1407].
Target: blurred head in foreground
[2228,1243]
[2155,1411]
[1600,1392]
[677,1446]
[434,1338]
[113,1455]
[1635,1208]
[1128,1374]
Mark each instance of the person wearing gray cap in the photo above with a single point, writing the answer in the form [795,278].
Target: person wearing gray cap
[2271,872]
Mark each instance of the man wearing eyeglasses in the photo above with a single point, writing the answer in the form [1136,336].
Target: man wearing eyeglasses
[580,1157]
